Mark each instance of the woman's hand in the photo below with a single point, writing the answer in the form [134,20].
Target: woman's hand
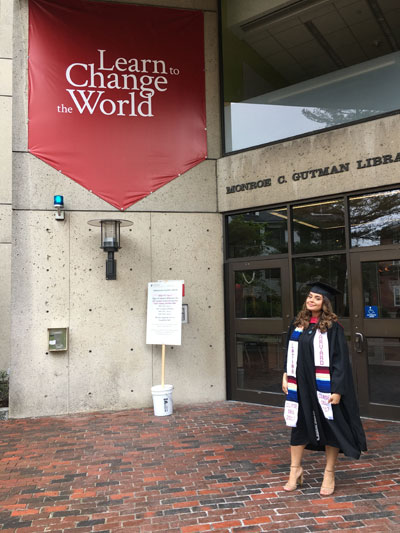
[335,398]
[285,383]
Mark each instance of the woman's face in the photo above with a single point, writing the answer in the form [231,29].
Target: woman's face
[314,302]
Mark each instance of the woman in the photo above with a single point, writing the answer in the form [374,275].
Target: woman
[321,405]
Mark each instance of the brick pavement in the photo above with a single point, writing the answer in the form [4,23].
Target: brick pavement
[216,467]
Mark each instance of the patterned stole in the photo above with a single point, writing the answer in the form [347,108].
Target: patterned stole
[322,376]
[292,402]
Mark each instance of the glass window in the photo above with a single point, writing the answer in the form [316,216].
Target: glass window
[375,219]
[318,227]
[259,362]
[331,269]
[384,370]
[258,293]
[396,290]
[258,233]
[381,284]
[290,68]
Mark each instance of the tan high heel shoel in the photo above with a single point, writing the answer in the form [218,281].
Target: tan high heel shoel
[327,491]
[299,481]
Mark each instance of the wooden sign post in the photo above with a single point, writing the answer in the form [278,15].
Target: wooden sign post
[163,365]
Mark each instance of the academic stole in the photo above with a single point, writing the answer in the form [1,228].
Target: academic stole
[322,376]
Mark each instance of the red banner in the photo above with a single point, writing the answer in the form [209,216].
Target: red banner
[116,94]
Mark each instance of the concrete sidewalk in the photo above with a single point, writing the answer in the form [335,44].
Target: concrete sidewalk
[216,467]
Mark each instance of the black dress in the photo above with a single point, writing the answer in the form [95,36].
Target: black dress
[345,431]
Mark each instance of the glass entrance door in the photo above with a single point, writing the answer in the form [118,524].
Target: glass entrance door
[350,242]
[376,331]
[259,301]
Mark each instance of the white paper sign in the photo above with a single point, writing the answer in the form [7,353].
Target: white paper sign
[164,312]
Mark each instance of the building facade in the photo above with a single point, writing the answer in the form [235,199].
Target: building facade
[299,183]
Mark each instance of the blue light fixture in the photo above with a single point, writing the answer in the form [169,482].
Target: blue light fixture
[59,204]
[58,200]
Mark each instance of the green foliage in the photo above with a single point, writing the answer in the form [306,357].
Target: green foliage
[3,389]
[246,237]
[374,219]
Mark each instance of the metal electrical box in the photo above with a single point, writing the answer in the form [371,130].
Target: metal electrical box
[57,339]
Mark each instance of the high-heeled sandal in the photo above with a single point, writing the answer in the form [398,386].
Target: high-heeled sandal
[327,491]
[299,481]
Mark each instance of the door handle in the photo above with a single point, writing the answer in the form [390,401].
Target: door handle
[283,339]
[359,341]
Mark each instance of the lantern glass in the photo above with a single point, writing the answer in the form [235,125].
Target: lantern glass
[110,241]
[110,235]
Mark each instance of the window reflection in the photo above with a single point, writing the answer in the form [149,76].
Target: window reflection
[374,219]
[258,293]
[258,233]
[318,227]
[259,362]
[381,287]
[304,66]
[331,269]
[384,370]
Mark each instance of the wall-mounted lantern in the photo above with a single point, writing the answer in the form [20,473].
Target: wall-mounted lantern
[110,241]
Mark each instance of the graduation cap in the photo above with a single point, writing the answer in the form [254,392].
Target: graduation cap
[323,288]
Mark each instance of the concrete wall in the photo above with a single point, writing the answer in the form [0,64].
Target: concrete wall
[6,12]
[59,273]
[286,165]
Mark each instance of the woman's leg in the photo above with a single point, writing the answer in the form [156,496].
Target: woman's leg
[296,454]
[328,484]
[331,457]
[296,471]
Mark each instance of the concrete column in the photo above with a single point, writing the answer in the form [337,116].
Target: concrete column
[6,13]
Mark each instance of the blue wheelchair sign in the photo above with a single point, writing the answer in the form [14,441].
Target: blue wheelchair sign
[371,311]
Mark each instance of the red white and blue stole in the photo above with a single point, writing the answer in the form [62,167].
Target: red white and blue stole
[292,403]
[322,376]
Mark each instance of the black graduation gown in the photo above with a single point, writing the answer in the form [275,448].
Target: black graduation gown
[345,431]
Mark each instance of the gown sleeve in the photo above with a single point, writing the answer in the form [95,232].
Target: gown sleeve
[339,360]
[289,332]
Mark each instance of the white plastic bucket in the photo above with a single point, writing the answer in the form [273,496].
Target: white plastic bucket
[162,399]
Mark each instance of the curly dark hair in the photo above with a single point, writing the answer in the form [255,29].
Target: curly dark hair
[326,318]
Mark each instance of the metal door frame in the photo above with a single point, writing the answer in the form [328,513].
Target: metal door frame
[385,327]
[277,326]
